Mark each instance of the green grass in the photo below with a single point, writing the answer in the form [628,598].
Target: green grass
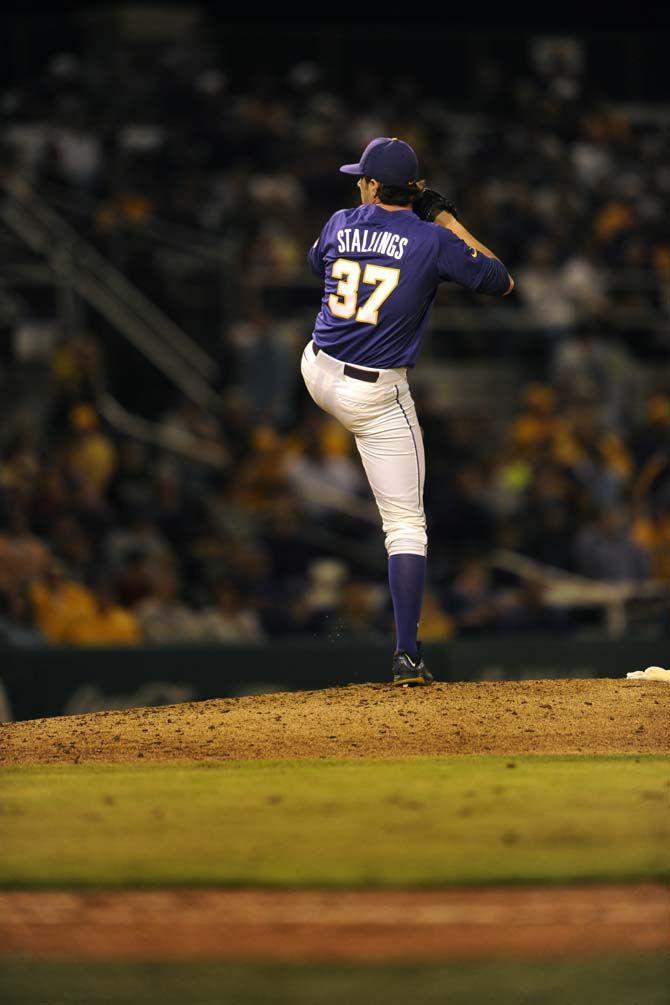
[607,981]
[405,822]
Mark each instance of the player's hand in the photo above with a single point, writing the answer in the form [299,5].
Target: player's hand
[429,204]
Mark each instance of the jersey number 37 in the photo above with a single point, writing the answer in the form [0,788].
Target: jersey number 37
[344,302]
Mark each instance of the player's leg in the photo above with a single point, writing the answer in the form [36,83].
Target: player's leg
[391,449]
[407,576]
[383,419]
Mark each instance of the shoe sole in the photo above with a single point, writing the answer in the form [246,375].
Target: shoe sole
[411,682]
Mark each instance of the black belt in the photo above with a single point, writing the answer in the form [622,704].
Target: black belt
[371,376]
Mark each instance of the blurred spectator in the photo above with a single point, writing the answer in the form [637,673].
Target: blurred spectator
[261,474]
[435,625]
[58,602]
[324,477]
[134,579]
[538,425]
[78,153]
[140,537]
[73,546]
[588,365]
[90,455]
[162,617]
[77,370]
[462,516]
[23,557]
[652,533]
[288,550]
[472,600]
[268,373]
[544,288]
[524,610]
[230,620]
[17,626]
[322,597]
[106,624]
[358,615]
[606,549]
[227,517]
[187,416]
[651,438]
[547,517]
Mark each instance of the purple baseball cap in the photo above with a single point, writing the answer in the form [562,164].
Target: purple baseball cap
[389,160]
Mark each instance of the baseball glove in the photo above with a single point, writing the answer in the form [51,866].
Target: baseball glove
[429,203]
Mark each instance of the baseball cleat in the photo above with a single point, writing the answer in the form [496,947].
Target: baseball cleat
[410,671]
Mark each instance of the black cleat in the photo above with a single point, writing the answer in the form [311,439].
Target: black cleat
[410,671]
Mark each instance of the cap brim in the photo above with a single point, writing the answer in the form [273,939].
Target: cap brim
[351,169]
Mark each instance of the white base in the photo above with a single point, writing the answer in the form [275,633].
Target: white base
[651,673]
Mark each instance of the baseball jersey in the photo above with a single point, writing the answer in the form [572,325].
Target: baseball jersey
[381,270]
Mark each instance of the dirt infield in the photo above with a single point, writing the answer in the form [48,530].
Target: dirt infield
[545,716]
[329,926]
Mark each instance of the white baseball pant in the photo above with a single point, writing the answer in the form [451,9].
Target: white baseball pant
[382,417]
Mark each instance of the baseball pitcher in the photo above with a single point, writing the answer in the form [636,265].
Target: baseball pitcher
[381,264]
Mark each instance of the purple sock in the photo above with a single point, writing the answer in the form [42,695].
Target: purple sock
[407,575]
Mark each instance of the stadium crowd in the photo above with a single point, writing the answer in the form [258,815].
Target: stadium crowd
[105,540]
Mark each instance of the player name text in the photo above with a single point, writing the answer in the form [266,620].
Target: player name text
[381,242]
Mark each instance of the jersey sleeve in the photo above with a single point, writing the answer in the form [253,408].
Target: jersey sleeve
[315,257]
[458,262]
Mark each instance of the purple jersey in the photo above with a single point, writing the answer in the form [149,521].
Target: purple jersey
[381,270]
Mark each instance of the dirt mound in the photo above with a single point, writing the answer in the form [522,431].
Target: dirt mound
[545,716]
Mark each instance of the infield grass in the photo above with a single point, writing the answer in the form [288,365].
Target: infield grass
[465,819]
[605,981]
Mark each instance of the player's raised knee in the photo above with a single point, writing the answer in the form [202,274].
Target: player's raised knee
[406,540]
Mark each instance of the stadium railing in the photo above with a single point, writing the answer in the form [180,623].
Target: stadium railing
[567,590]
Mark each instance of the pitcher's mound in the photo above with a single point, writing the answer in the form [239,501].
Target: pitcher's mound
[373,720]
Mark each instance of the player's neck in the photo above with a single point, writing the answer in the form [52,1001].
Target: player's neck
[392,209]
